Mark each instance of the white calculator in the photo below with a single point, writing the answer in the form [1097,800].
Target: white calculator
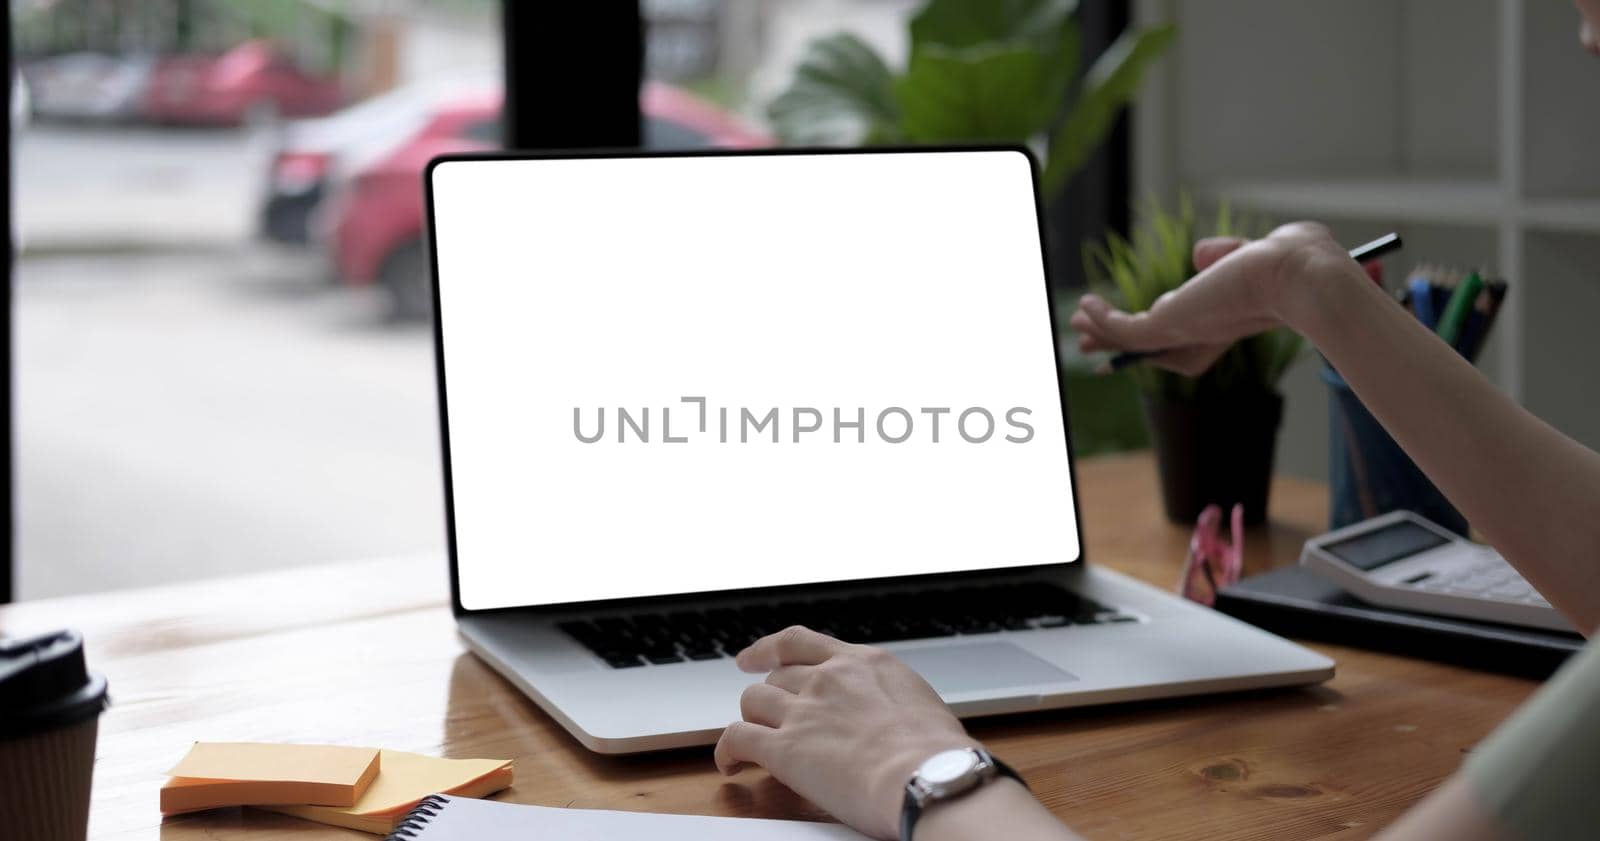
[1401,560]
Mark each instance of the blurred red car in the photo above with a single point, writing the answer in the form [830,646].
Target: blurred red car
[308,155]
[374,223]
[251,83]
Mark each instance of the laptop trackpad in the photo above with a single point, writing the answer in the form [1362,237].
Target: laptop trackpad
[956,669]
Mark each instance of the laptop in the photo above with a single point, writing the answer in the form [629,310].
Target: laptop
[688,399]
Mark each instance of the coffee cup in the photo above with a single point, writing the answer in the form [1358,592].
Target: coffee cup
[50,707]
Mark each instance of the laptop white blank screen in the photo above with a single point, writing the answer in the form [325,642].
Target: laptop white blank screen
[688,374]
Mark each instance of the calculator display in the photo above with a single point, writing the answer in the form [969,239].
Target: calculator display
[1373,549]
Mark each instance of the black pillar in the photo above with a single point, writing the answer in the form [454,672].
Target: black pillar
[1096,199]
[573,71]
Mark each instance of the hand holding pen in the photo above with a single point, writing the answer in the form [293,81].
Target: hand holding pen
[1242,288]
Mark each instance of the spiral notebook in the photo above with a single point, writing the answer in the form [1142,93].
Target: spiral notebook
[444,818]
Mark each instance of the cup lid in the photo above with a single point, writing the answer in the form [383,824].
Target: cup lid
[44,684]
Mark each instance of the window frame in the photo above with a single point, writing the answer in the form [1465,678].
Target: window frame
[549,45]
[8,554]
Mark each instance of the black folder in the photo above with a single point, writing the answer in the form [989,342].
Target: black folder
[1294,602]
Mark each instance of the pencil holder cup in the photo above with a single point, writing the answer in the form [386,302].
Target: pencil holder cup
[1369,473]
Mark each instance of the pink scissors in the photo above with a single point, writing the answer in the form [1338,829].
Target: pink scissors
[1212,564]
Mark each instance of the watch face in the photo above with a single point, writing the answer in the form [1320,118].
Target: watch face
[947,767]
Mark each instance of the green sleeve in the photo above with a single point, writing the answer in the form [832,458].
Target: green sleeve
[1538,775]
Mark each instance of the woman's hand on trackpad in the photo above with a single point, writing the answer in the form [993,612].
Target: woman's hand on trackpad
[843,725]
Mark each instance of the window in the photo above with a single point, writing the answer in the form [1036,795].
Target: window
[717,64]
[217,365]
[221,358]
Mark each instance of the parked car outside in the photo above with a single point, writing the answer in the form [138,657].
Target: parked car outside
[374,217]
[375,221]
[88,86]
[310,151]
[677,119]
[249,84]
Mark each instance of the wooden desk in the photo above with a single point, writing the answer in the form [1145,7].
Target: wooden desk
[366,654]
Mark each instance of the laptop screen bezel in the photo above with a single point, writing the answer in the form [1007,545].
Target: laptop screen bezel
[942,578]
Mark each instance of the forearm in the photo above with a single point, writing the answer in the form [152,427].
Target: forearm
[1003,803]
[1533,492]
[1452,811]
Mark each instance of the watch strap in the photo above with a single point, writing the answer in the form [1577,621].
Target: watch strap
[911,807]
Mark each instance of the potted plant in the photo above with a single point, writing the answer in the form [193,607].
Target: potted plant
[1214,434]
[979,70]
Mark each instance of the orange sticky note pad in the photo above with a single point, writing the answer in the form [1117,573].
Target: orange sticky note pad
[405,779]
[217,774]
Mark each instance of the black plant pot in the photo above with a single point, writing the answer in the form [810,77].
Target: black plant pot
[1215,449]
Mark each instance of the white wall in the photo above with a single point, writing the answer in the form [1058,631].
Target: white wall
[1482,115]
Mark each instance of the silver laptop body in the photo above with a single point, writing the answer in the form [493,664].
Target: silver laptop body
[689,398]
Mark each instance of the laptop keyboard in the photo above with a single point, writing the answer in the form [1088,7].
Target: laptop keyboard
[679,636]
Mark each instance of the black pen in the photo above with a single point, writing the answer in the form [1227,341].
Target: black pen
[1361,253]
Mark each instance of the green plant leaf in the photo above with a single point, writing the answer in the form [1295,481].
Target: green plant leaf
[979,46]
[969,23]
[985,93]
[842,94]
[1109,85]
[1061,71]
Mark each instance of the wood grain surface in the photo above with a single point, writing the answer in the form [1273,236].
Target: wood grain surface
[365,653]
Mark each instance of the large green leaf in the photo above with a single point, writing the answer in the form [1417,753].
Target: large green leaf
[970,23]
[1108,86]
[974,30]
[842,95]
[1061,57]
[974,94]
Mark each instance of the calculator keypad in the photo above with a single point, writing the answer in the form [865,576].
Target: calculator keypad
[1493,579]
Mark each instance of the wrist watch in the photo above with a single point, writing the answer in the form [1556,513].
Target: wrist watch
[945,776]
